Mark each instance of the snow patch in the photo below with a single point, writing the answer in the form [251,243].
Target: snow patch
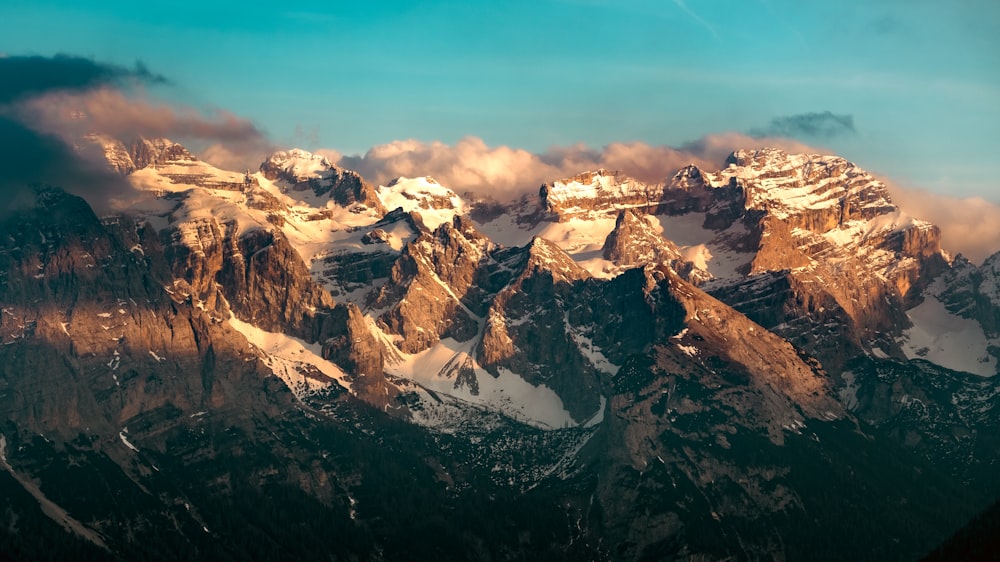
[435,203]
[286,356]
[121,435]
[436,369]
[709,250]
[849,394]
[948,340]
[690,350]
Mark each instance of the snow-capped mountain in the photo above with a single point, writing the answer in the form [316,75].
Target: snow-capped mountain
[678,369]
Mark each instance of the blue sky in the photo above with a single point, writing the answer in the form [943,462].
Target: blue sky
[917,81]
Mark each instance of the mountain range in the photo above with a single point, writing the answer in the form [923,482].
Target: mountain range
[767,361]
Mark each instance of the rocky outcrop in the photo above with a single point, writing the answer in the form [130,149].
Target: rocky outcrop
[299,170]
[151,152]
[358,352]
[431,292]
[258,273]
[526,329]
[257,276]
[599,190]
[94,339]
[974,292]
[634,243]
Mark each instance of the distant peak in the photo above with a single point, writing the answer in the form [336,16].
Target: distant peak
[283,156]
[759,156]
[595,176]
[297,165]
[140,152]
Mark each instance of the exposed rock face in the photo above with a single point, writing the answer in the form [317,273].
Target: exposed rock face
[150,152]
[597,190]
[357,351]
[346,271]
[430,293]
[301,170]
[633,243]
[100,342]
[974,292]
[257,276]
[526,328]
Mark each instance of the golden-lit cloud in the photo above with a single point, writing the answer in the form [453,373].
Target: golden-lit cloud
[221,137]
[506,172]
[969,225]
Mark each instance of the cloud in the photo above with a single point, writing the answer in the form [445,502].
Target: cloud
[25,77]
[29,154]
[227,139]
[969,225]
[49,104]
[28,157]
[244,154]
[468,165]
[506,173]
[68,97]
[823,125]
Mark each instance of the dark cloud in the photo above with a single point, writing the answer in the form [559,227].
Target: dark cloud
[28,158]
[29,155]
[823,125]
[25,77]
[49,104]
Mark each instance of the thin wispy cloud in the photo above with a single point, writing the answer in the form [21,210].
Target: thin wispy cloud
[693,15]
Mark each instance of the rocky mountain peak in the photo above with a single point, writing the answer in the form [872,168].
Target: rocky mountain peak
[597,190]
[126,157]
[544,255]
[298,170]
[757,157]
[146,152]
[634,243]
[816,192]
[435,203]
[295,165]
